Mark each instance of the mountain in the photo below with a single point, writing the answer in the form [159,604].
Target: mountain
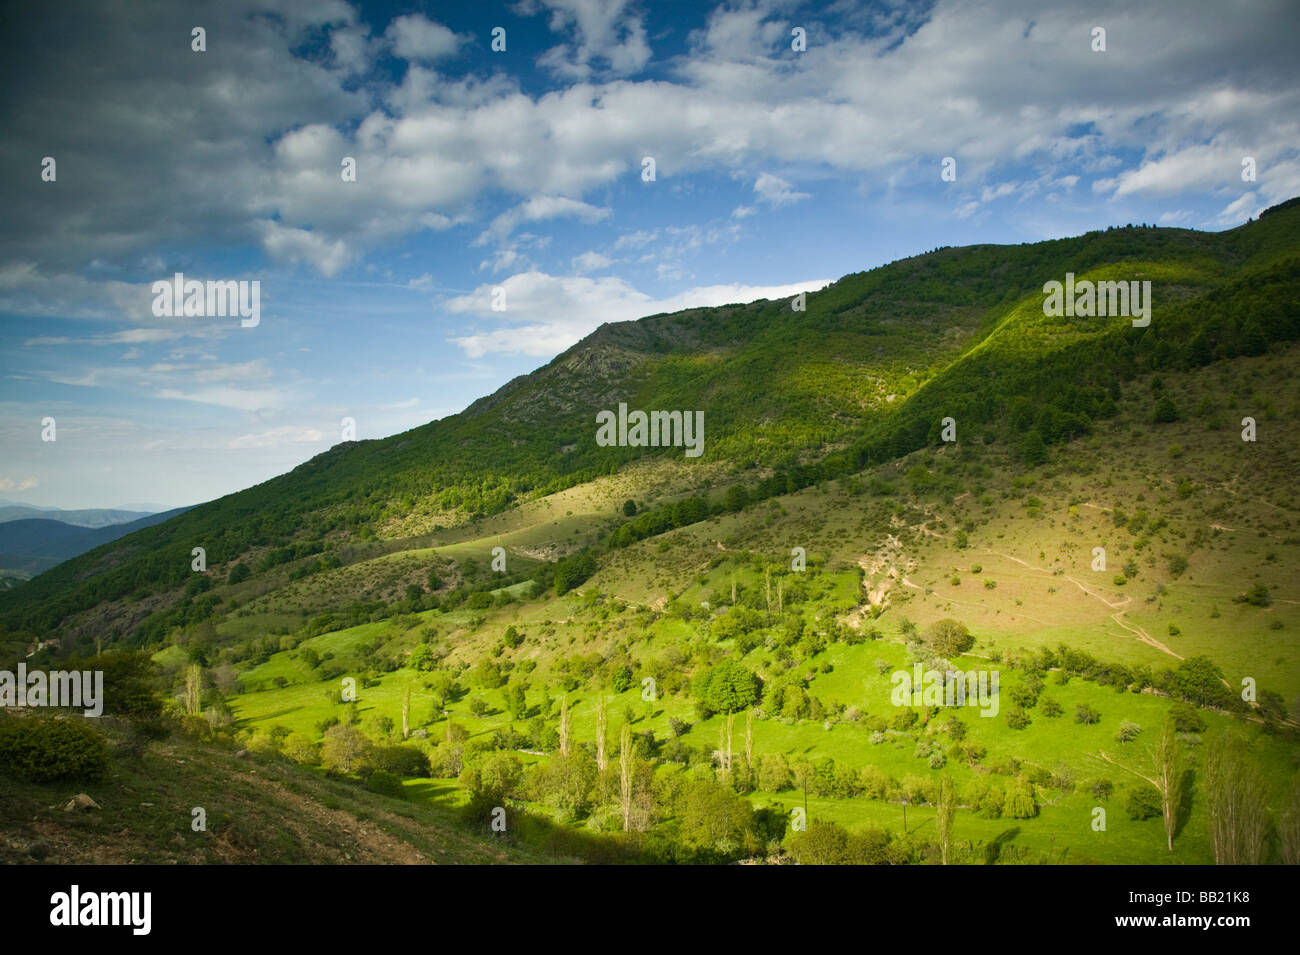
[861,377]
[33,545]
[921,470]
[85,517]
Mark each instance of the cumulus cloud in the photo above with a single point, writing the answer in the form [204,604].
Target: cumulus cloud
[251,148]
[547,313]
[608,35]
[416,37]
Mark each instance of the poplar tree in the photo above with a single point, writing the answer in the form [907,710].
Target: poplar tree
[625,775]
[193,689]
[601,760]
[1236,795]
[947,806]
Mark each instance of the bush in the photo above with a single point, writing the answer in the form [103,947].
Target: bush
[43,749]
[1186,719]
[1128,731]
[1017,718]
[1257,596]
[949,638]
[386,784]
[1143,803]
[1102,789]
[401,760]
[1085,713]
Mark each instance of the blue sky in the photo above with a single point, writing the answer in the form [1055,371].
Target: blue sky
[775,170]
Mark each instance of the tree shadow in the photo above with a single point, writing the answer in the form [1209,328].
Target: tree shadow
[993,850]
[1187,795]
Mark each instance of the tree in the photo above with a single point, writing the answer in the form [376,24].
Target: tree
[1086,714]
[490,780]
[947,809]
[516,698]
[1288,826]
[625,775]
[564,725]
[1199,681]
[193,690]
[716,818]
[949,638]
[1019,800]
[1166,410]
[622,678]
[749,744]
[774,773]
[444,688]
[629,508]
[1033,451]
[726,688]
[1236,795]
[601,760]
[346,750]
[1168,778]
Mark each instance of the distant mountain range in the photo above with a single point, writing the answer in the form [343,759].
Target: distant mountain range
[35,544]
[83,517]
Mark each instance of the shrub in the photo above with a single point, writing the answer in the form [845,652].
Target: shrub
[1143,803]
[1085,713]
[1186,719]
[386,784]
[949,638]
[1017,718]
[1128,731]
[402,760]
[43,749]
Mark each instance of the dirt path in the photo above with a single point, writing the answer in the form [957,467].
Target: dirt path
[1138,632]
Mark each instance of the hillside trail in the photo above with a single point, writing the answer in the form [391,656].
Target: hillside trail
[1117,606]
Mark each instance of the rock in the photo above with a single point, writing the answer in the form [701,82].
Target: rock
[81,801]
[148,804]
[38,850]
[420,734]
[241,754]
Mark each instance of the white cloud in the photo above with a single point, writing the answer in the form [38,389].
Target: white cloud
[775,191]
[591,262]
[300,245]
[606,31]
[1241,209]
[276,437]
[540,208]
[415,37]
[264,399]
[546,313]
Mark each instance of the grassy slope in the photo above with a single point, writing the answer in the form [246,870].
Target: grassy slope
[259,810]
[1039,555]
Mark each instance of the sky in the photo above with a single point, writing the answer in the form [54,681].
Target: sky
[791,144]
